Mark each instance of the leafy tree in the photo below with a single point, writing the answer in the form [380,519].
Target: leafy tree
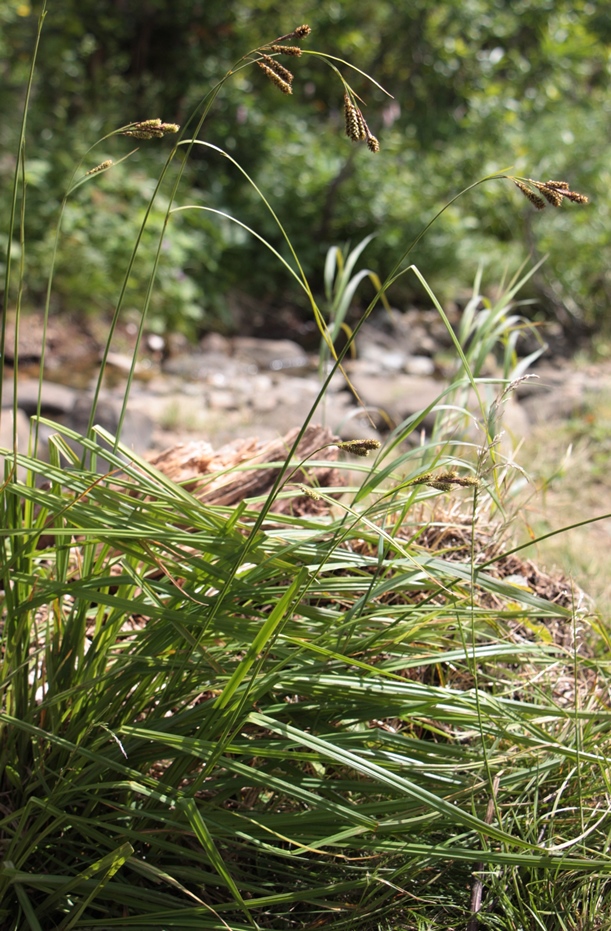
[477,86]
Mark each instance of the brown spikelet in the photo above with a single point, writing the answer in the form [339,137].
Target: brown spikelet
[293,50]
[151,129]
[299,33]
[353,129]
[552,197]
[275,78]
[140,134]
[372,143]
[145,125]
[445,480]
[278,69]
[101,167]
[575,197]
[538,202]
[309,492]
[363,127]
[554,191]
[359,447]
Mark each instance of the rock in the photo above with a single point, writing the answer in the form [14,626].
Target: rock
[419,365]
[397,398]
[274,354]
[155,343]
[215,343]
[219,400]
[56,399]
[386,360]
[556,394]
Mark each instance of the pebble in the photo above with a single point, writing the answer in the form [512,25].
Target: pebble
[230,387]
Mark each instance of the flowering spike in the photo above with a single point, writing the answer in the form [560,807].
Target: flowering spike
[278,69]
[293,50]
[275,78]
[353,129]
[151,129]
[299,33]
[538,202]
[359,447]
[101,167]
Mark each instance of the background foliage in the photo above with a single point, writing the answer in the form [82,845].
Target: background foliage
[477,86]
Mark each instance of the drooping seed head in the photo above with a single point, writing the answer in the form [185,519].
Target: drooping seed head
[353,127]
[359,447]
[101,167]
[445,480]
[145,125]
[554,191]
[575,197]
[293,50]
[279,69]
[275,78]
[151,129]
[552,195]
[537,201]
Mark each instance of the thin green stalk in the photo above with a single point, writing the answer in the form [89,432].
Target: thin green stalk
[19,170]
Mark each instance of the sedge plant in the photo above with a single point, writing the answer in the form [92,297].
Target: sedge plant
[225,717]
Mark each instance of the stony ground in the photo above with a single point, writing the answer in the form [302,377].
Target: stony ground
[227,388]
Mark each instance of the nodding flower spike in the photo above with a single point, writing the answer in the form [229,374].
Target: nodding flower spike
[101,167]
[359,447]
[275,78]
[554,192]
[299,33]
[356,126]
[293,50]
[353,125]
[279,69]
[151,129]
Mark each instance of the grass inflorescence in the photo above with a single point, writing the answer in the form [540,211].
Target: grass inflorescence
[369,714]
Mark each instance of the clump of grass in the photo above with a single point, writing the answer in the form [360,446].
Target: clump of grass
[223,717]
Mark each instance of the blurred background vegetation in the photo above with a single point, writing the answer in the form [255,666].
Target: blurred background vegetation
[477,85]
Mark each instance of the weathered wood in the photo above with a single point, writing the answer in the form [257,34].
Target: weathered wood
[248,468]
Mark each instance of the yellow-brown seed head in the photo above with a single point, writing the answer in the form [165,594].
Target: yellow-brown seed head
[363,127]
[101,167]
[151,129]
[144,125]
[279,69]
[554,191]
[359,447]
[293,50]
[537,201]
[275,78]
[353,129]
[445,480]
